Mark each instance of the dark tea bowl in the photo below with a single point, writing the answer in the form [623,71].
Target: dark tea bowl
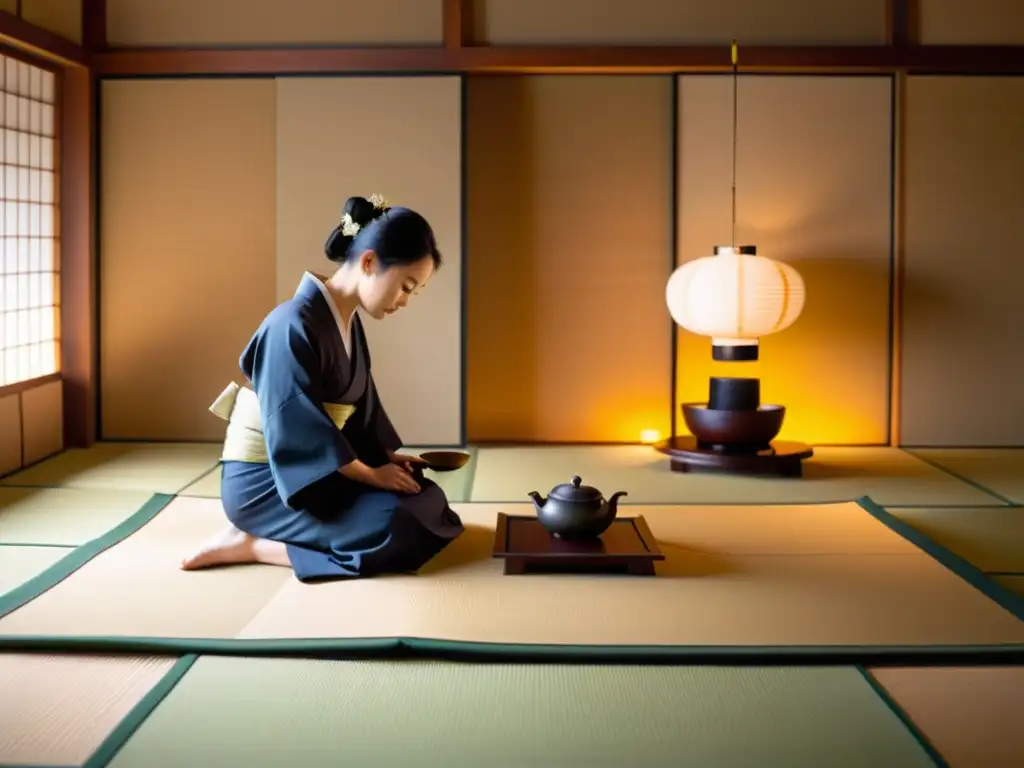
[444,461]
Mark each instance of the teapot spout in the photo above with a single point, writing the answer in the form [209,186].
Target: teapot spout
[613,502]
[537,500]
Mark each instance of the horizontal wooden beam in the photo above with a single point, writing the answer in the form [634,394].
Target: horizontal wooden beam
[24,386]
[924,59]
[20,34]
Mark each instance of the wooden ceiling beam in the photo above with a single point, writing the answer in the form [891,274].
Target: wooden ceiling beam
[24,36]
[915,59]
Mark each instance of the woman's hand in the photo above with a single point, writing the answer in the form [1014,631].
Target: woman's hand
[408,463]
[393,477]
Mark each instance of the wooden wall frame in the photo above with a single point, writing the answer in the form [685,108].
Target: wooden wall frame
[458,54]
[83,65]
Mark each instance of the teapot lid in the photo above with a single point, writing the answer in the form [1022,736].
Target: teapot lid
[573,491]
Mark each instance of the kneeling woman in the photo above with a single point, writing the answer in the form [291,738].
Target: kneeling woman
[311,474]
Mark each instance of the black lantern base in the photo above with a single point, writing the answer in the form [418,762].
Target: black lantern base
[733,432]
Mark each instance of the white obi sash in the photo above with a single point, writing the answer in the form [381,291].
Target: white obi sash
[244,440]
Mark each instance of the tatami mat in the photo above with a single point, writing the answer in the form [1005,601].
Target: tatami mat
[137,587]
[64,516]
[152,467]
[998,469]
[868,601]
[256,713]
[456,484]
[990,538]
[19,564]
[56,710]
[812,576]
[974,716]
[887,475]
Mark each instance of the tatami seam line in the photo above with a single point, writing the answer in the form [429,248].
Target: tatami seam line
[195,480]
[962,478]
[28,544]
[203,476]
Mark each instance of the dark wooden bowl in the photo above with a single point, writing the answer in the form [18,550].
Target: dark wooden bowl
[754,429]
[445,461]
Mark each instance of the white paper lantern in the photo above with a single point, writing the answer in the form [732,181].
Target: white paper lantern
[735,297]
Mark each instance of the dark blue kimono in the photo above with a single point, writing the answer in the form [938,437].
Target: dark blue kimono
[333,527]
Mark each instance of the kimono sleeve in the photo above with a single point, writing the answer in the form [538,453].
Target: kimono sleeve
[303,444]
[380,425]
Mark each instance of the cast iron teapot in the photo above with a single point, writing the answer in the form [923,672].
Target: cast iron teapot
[574,511]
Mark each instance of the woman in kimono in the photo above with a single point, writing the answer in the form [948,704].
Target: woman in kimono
[312,474]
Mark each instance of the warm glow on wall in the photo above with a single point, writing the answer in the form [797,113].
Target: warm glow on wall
[785,369]
[29,226]
[650,436]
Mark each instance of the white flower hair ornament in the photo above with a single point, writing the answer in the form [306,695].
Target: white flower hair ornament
[379,202]
[348,227]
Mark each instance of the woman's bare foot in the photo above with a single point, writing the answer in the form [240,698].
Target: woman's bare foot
[234,547]
[229,547]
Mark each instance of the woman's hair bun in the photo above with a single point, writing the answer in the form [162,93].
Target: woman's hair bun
[362,212]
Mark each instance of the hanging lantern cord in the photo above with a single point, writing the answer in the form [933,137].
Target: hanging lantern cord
[735,102]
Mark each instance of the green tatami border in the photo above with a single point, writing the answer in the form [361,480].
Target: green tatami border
[993,590]
[468,651]
[406,647]
[131,722]
[901,714]
[80,556]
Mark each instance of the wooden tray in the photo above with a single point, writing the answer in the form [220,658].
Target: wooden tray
[526,546]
